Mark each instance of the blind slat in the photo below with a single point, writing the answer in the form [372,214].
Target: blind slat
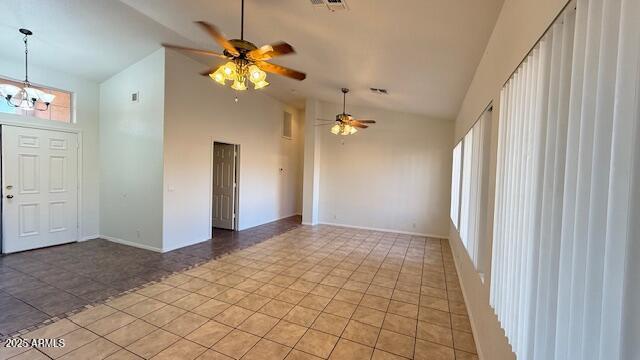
[566,201]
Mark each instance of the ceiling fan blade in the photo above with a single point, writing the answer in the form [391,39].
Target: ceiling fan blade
[208,71]
[365,121]
[270,51]
[359,125]
[281,70]
[332,120]
[322,124]
[194,51]
[218,37]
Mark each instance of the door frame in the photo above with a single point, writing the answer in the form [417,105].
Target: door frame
[78,132]
[236,195]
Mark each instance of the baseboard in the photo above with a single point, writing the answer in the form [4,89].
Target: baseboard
[89,237]
[179,246]
[266,222]
[130,243]
[466,301]
[385,230]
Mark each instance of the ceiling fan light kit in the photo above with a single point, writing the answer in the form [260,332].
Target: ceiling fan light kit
[27,97]
[343,129]
[246,63]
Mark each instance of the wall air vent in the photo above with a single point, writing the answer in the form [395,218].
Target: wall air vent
[332,5]
[286,126]
[379,91]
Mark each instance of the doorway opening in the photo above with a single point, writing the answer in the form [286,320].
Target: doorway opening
[224,203]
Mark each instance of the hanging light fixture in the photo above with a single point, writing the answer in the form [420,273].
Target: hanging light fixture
[345,124]
[238,71]
[241,68]
[245,63]
[343,129]
[27,97]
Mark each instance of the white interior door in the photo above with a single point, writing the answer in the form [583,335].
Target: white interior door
[224,178]
[39,188]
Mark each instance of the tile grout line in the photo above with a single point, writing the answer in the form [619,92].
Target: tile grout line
[64,315]
[307,253]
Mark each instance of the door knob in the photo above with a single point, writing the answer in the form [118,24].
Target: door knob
[9,196]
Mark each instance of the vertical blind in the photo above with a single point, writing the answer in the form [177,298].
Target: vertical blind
[565,221]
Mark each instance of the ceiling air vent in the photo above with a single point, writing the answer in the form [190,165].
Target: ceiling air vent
[332,5]
[379,91]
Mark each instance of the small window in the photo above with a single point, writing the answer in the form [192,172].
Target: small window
[469,205]
[286,126]
[59,110]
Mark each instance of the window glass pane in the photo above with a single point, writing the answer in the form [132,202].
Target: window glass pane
[455,184]
[467,158]
[59,110]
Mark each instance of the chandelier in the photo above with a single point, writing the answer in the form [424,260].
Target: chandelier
[27,97]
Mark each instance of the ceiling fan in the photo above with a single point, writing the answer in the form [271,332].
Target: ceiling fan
[246,61]
[345,124]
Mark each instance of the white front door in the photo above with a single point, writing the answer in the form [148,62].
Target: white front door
[39,188]
[224,177]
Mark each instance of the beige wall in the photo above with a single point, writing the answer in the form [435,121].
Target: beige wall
[520,24]
[395,175]
[131,154]
[198,112]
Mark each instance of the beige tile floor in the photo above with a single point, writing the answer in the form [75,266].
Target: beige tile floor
[312,293]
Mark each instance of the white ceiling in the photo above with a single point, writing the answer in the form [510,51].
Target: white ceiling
[423,51]
[94,39]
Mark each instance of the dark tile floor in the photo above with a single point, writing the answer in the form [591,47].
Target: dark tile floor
[40,284]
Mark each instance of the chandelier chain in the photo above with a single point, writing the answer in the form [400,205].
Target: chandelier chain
[26,60]
[344,102]
[242,21]
[26,97]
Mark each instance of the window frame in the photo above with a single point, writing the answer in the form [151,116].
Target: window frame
[46,88]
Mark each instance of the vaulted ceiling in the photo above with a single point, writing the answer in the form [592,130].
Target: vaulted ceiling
[423,51]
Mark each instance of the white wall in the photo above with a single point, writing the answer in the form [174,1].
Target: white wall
[198,112]
[131,140]
[86,101]
[311,165]
[520,24]
[396,175]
